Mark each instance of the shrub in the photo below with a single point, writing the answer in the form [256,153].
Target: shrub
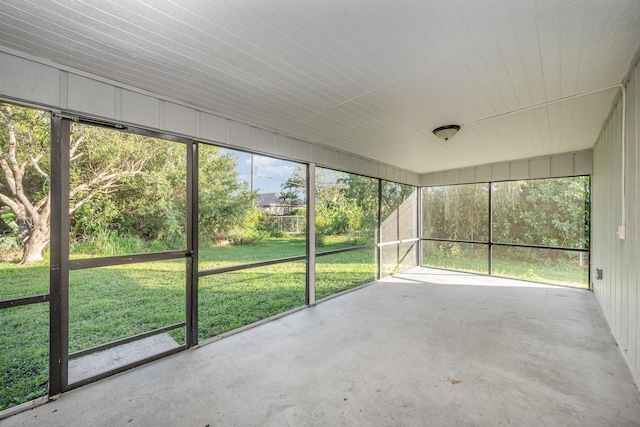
[247,237]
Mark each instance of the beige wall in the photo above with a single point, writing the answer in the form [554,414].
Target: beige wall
[553,166]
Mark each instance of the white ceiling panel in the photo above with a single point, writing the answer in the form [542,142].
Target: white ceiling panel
[370,77]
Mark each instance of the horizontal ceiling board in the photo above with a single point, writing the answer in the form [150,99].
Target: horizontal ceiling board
[205,49]
[373,78]
[138,66]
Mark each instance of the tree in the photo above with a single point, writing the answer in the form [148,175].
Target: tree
[457,212]
[293,186]
[226,202]
[99,158]
[24,188]
[548,212]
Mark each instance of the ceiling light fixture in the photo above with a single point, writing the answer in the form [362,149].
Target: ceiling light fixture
[446,132]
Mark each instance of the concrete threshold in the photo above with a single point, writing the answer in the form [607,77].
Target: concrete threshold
[96,363]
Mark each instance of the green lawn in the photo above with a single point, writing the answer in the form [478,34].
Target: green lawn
[111,303]
[560,274]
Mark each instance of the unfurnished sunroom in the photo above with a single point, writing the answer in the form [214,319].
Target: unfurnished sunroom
[178,173]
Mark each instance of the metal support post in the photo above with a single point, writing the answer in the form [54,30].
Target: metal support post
[311,234]
[192,246]
[59,258]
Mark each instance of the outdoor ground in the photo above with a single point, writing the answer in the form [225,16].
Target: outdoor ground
[112,303]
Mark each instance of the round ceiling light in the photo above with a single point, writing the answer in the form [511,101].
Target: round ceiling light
[446,132]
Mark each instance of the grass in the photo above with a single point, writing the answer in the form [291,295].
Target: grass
[19,281]
[111,303]
[24,359]
[560,274]
[339,272]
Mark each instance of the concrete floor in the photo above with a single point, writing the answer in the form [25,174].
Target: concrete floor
[426,348]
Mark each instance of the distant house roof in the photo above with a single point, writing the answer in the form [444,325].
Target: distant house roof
[273,199]
[270,199]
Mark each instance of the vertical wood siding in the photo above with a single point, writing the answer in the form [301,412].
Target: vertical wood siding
[618,292]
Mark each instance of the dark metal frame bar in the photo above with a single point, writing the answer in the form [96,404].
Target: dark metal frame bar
[490,229]
[59,258]
[21,301]
[310,277]
[128,129]
[419,224]
[590,232]
[191,276]
[397,214]
[349,249]
[398,242]
[518,245]
[84,263]
[231,268]
[379,239]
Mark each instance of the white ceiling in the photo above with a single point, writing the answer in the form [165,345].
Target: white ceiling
[372,77]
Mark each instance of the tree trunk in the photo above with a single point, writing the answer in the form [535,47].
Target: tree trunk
[35,245]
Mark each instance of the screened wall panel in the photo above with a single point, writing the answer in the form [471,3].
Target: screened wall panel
[24,281]
[542,265]
[127,193]
[25,152]
[534,230]
[408,255]
[113,303]
[244,203]
[399,227]
[398,257]
[25,200]
[456,212]
[231,300]
[346,217]
[547,212]
[346,208]
[470,257]
[339,272]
